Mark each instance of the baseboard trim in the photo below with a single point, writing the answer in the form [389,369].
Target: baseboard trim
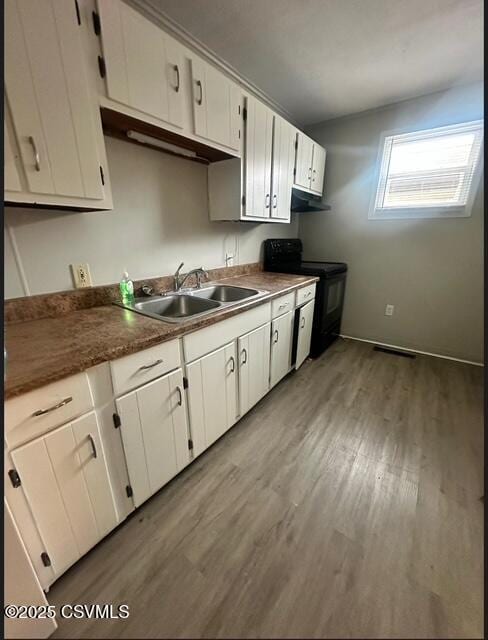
[424,353]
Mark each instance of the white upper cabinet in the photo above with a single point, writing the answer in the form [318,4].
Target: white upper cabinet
[303,167]
[143,65]
[216,105]
[55,124]
[309,165]
[318,169]
[259,188]
[257,159]
[282,171]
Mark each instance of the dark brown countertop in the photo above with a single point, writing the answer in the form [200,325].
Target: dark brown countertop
[49,349]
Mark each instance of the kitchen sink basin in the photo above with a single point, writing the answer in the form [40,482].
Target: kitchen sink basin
[191,303]
[225,293]
[174,308]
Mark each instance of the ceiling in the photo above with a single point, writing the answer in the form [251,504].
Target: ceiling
[321,59]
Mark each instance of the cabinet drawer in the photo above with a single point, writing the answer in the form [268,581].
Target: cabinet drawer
[141,367]
[36,412]
[283,305]
[203,341]
[305,294]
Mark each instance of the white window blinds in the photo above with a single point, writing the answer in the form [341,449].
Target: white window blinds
[429,169]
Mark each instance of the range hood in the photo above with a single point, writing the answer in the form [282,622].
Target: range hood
[303,202]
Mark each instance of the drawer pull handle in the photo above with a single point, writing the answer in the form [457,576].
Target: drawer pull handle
[150,366]
[180,396]
[92,442]
[37,158]
[200,98]
[308,294]
[233,362]
[277,336]
[177,71]
[303,323]
[283,306]
[42,412]
[244,353]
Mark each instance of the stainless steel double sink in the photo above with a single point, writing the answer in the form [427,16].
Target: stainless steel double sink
[190,303]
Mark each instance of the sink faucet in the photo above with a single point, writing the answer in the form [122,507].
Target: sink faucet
[199,273]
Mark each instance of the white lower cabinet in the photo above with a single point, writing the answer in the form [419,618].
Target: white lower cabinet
[253,367]
[65,479]
[212,396]
[304,333]
[281,338]
[154,430]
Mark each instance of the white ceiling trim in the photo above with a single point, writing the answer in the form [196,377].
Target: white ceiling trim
[153,13]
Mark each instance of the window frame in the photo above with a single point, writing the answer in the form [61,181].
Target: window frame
[437,211]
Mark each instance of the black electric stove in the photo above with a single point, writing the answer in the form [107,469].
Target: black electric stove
[285,256]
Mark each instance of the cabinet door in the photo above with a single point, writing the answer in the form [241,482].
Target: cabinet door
[95,472]
[10,173]
[46,503]
[281,333]
[304,333]
[49,98]
[282,171]
[258,156]
[303,173]
[212,396]
[253,367]
[216,101]
[66,482]
[318,168]
[144,66]
[154,434]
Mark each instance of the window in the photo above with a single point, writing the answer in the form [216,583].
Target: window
[428,174]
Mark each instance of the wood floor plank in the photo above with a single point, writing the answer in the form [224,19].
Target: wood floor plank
[346,504]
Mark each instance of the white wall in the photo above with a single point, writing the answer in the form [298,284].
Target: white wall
[160,219]
[431,270]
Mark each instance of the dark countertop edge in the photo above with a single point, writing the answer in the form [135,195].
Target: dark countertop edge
[135,346]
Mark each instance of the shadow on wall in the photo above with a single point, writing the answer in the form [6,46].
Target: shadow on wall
[430,269]
[160,219]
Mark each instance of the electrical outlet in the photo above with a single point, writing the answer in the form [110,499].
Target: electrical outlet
[390,308]
[81,275]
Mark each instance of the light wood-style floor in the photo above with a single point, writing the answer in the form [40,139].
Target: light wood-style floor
[345,505]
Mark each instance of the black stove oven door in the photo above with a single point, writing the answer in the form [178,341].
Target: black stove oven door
[329,300]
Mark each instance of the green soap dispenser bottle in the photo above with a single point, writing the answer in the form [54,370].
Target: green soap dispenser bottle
[126,289]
